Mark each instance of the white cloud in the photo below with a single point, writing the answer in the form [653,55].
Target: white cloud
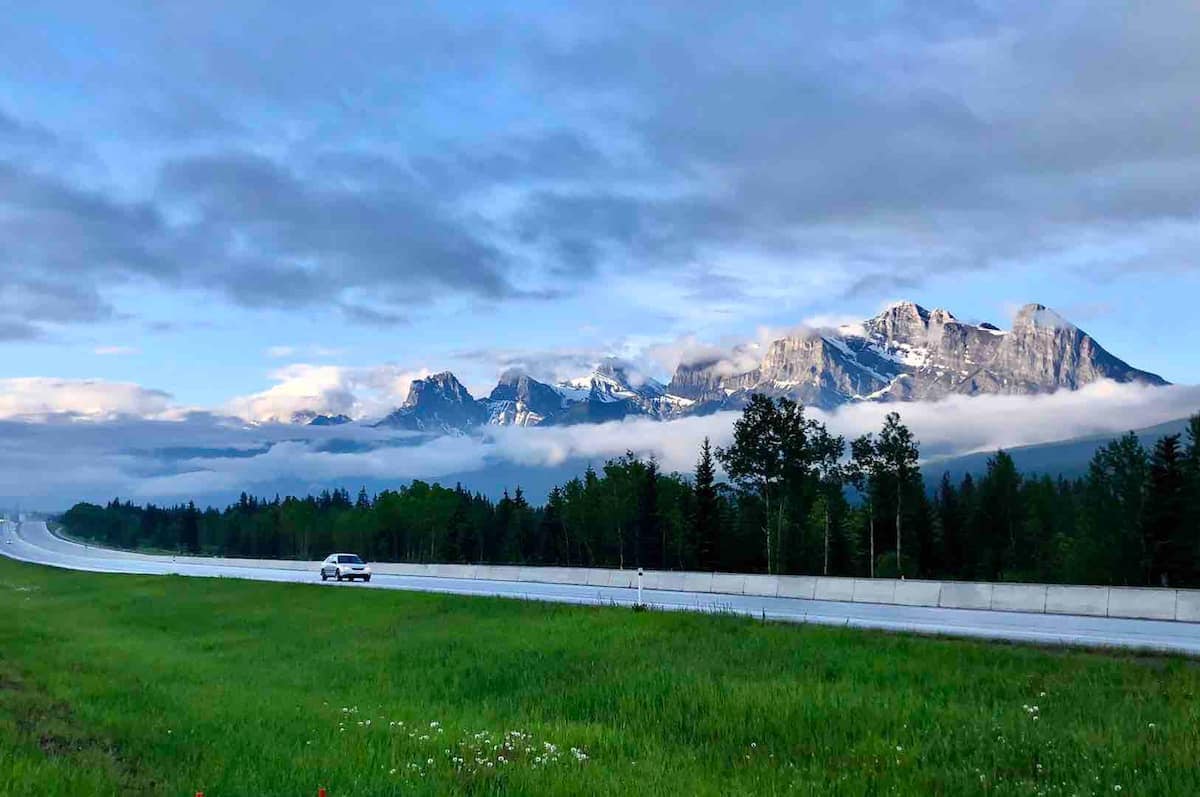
[328,389]
[56,463]
[35,398]
[115,351]
[964,424]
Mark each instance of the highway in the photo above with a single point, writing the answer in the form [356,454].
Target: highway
[33,542]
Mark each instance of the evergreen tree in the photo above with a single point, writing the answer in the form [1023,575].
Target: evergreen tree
[1000,516]
[706,520]
[1167,555]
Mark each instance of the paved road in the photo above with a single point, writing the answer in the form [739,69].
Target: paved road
[33,542]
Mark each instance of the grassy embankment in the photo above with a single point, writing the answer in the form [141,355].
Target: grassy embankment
[131,685]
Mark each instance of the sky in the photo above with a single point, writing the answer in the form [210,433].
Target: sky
[225,207]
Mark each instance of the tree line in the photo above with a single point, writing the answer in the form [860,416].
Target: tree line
[797,500]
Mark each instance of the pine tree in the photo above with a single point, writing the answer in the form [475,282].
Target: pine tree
[1000,515]
[1167,557]
[1189,544]
[706,521]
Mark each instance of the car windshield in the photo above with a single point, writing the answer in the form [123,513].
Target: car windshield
[349,559]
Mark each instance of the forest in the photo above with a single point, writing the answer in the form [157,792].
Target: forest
[795,499]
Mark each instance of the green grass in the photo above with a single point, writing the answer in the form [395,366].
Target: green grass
[140,685]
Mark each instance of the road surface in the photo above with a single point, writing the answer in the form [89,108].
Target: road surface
[33,542]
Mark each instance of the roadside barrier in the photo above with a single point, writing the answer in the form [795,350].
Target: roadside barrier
[1141,603]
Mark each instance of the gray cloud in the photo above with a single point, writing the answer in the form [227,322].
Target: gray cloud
[467,154]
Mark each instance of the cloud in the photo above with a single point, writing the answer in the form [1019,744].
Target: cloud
[115,351]
[366,392]
[210,458]
[39,398]
[503,156]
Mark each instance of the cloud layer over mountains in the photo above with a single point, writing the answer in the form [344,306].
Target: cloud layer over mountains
[211,458]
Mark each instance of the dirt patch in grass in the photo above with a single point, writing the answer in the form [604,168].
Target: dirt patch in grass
[37,719]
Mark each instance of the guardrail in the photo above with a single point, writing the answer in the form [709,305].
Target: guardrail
[1145,603]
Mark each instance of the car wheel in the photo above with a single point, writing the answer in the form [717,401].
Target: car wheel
[366,578]
[323,576]
[339,576]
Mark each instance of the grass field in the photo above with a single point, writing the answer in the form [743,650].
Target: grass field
[141,685]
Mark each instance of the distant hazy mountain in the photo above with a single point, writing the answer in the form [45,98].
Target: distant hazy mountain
[1068,458]
[905,353]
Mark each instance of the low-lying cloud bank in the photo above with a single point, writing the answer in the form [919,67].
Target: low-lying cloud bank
[207,457]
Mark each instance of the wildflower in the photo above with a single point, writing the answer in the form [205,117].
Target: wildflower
[899,749]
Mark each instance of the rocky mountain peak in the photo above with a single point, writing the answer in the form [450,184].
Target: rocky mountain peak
[1039,315]
[443,386]
[902,322]
[904,353]
[437,403]
[909,353]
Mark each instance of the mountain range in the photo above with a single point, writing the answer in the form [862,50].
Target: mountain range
[905,353]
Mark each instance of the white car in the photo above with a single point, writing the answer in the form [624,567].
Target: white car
[345,567]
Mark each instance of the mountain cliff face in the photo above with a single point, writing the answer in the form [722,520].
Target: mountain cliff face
[520,400]
[438,403]
[905,353]
[909,353]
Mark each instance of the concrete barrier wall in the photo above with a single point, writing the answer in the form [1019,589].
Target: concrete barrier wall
[1154,604]
[1182,605]
[1077,600]
[1019,597]
[1128,602]
[870,590]
[965,595]
[918,593]
[764,586]
[797,587]
[834,589]
[1187,605]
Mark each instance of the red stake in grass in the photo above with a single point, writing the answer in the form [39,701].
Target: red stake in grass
[320,793]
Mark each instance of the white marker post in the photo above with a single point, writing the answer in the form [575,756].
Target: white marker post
[640,587]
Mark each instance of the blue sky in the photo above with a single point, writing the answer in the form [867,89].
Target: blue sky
[196,196]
